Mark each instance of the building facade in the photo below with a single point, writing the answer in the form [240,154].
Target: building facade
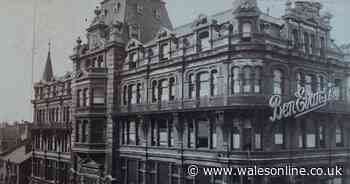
[200,94]
[52,127]
[146,100]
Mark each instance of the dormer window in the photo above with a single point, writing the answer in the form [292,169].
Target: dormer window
[164,51]
[247,31]
[203,41]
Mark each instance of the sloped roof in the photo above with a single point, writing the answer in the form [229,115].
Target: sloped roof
[17,156]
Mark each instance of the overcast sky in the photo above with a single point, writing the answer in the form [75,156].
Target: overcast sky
[62,21]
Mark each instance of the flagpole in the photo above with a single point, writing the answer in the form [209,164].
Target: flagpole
[33,54]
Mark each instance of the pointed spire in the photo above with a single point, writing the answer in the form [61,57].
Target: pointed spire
[48,72]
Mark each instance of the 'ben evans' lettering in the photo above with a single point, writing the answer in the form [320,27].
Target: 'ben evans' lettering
[303,104]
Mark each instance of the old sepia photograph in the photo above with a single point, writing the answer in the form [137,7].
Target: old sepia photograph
[175,92]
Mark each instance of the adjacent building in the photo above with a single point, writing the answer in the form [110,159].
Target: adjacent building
[52,127]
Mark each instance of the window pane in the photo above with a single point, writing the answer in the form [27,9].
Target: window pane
[236,80]
[163,133]
[279,139]
[132,132]
[99,96]
[310,140]
[204,41]
[204,84]
[257,141]
[247,80]
[247,30]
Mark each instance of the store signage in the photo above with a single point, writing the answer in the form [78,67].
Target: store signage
[303,104]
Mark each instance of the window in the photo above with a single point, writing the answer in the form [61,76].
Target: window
[214,83]
[277,82]
[306,42]
[164,90]
[321,136]
[203,134]
[79,96]
[279,134]
[339,136]
[247,82]
[320,83]
[203,41]
[295,38]
[164,51]
[125,95]
[163,133]
[154,91]
[235,138]
[84,131]
[213,135]
[138,93]
[236,83]
[257,141]
[139,8]
[191,134]
[257,80]
[337,89]
[203,84]
[300,81]
[247,135]
[191,86]
[310,135]
[132,92]
[308,84]
[132,60]
[246,30]
[171,88]
[156,14]
[86,97]
[322,46]
[99,96]
[132,133]
[312,43]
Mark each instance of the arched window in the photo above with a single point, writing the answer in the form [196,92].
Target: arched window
[125,95]
[203,84]
[247,81]
[277,82]
[257,80]
[164,51]
[191,86]
[236,82]
[339,139]
[214,83]
[164,90]
[203,41]
[246,30]
[154,91]
[172,88]
[138,93]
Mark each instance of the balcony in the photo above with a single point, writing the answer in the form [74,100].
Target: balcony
[52,125]
[89,147]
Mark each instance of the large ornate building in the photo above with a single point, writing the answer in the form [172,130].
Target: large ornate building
[146,100]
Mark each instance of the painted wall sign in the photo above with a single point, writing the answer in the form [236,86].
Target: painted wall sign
[303,104]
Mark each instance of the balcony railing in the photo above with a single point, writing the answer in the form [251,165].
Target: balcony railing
[52,125]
